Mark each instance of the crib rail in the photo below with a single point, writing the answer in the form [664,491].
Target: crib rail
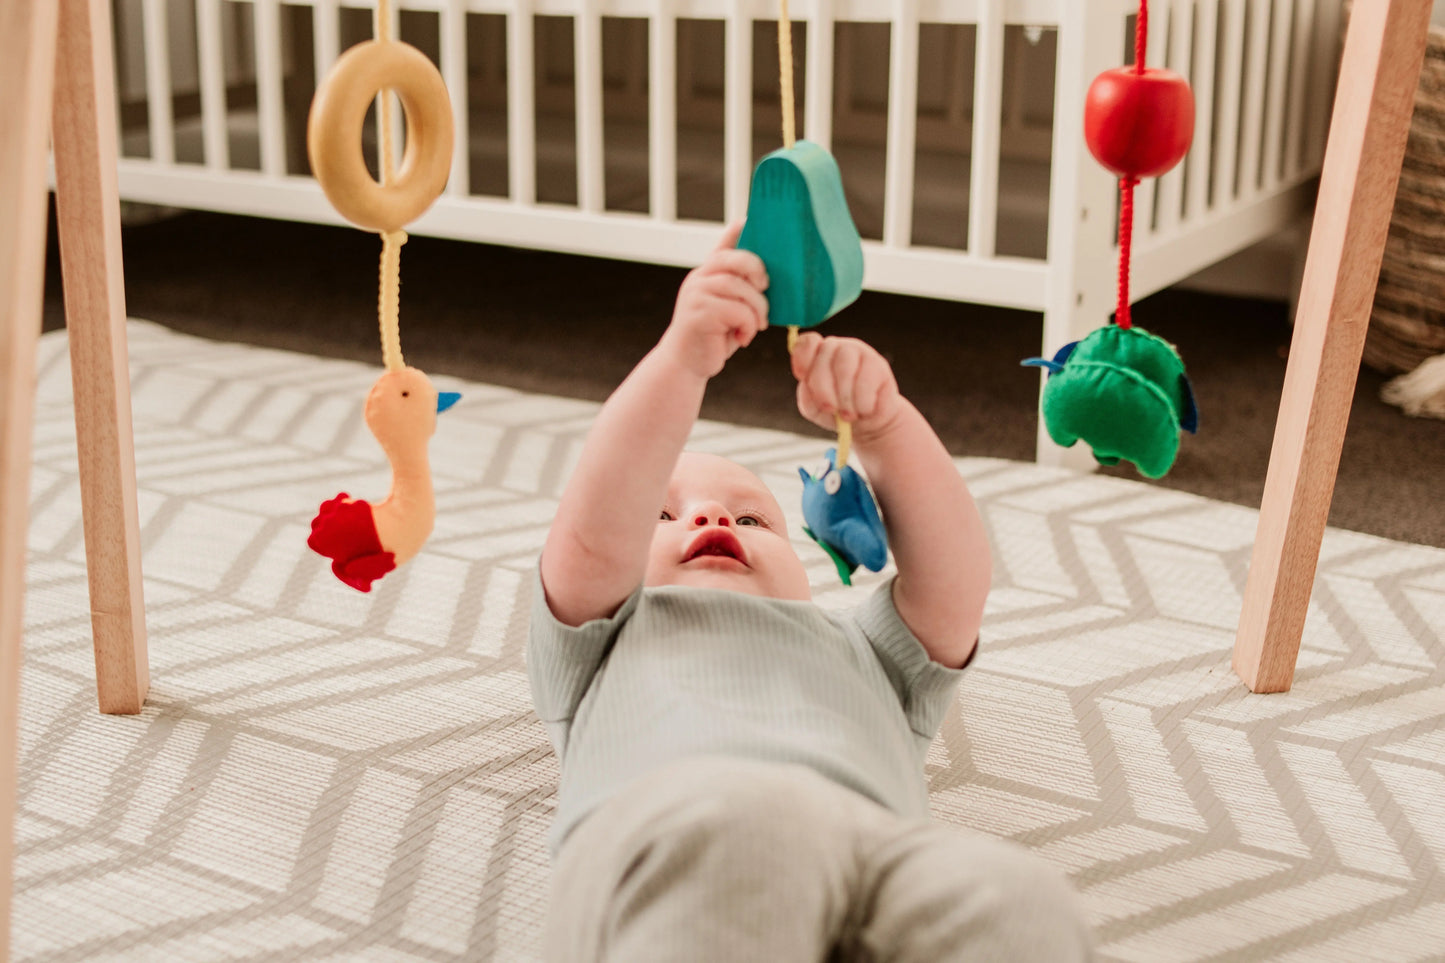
[1261,70]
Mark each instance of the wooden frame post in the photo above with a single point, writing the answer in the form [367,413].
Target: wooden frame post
[1384,50]
[56,69]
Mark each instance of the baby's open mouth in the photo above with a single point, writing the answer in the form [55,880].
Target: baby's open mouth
[716,543]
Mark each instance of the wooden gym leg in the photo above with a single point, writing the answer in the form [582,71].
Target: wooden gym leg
[88,213]
[1384,49]
[27,72]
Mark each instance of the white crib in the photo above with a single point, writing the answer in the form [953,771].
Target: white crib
[629,128]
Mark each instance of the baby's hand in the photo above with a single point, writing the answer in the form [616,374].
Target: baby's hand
[844,378]
[720,307]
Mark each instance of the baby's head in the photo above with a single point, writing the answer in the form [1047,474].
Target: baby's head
[721,528]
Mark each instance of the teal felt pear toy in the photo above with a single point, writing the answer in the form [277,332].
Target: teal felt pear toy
[798,223]
[1124,392]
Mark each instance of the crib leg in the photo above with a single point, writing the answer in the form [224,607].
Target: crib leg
[1357,189]
[27,72]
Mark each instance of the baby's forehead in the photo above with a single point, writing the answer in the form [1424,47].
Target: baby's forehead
[716,477]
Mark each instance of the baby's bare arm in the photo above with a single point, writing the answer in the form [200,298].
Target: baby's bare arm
[934,527]
[596,550]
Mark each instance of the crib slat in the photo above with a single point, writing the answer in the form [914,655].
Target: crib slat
[1274,127]
[158,82]
[1148,189]
[1180,60]
[213,85]
[587,40]
[521,105]
[818,105]
[1254,90]
[737,111]
[987,118]
[269,110]
[1298,71]
[1325,56]
[902,125]
[662,111]
[1203,79]
[1231,70]
[454,71]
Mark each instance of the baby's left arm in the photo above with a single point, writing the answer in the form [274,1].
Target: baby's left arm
[934,527]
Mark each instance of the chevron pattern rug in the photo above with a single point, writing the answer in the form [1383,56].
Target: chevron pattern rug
[325,775]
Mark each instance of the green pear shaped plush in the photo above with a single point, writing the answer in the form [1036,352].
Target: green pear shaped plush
[798,223]
[1125,393]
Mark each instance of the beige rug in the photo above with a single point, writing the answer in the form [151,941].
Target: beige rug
[320,774]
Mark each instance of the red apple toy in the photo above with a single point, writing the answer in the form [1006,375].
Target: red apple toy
[1139,124]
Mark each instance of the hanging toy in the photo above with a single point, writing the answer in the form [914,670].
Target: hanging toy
[1121,389]
[365,540]
[798,223]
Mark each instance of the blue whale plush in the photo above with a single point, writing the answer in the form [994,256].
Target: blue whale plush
[842,517]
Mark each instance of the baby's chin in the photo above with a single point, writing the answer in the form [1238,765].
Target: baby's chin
[747,582]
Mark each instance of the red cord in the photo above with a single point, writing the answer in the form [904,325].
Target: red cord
[1126,237]
[1126,184]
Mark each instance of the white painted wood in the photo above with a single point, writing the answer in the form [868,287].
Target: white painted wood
[270,110]
[1181,61]
[1079,294]
[159,115]
[214,141]
[1231,78]
[1299,74]
[987,109]
[818,102]
[587,43]
[1157,56]
[662,112]
[1326,55]
[521,105]
[1202,81]
[454,73]
[1253,106]
[1274,118]
[737,110]
[902,125]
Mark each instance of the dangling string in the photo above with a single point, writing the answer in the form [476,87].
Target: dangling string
[1126,184]
[785,87]
[389,289]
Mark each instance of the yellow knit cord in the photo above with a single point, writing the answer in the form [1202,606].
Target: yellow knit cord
[785,87]
[388,306]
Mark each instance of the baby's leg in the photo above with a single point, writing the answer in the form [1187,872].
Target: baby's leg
[938,894]
[708,859]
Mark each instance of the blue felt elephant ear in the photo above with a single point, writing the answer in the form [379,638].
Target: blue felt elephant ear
[842,517]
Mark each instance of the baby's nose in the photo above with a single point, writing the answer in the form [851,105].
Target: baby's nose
[711,515]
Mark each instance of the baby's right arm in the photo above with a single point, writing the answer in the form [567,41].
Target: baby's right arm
[596,550]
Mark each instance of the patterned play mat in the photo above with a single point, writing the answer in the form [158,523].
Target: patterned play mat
[325,775]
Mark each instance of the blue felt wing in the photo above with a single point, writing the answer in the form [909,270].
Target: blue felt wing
[1189,417]
[1057,364]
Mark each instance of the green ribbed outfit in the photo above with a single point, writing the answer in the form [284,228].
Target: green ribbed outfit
[680,672]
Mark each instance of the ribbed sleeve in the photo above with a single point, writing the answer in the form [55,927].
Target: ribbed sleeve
[562,659]
[925,688]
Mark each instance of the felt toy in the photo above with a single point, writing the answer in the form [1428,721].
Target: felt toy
[365,540]
[1121,389]
[843,519]
[799,225]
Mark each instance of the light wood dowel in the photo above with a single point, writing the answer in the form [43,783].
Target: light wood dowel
[27,73]
[1381,67]
[88,218]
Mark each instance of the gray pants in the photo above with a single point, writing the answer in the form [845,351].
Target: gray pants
[740,861]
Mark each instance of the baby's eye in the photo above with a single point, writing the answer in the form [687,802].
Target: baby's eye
[749,520]
[665,516]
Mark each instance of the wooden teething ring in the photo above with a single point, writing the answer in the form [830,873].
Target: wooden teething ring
[333,134]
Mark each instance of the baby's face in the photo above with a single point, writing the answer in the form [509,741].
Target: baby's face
[721,528]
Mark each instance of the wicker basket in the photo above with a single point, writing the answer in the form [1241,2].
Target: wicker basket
[1407,324]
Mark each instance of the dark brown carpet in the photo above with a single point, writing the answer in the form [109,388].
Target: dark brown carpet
[574,326]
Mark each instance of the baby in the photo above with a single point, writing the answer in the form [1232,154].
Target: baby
[742,773]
